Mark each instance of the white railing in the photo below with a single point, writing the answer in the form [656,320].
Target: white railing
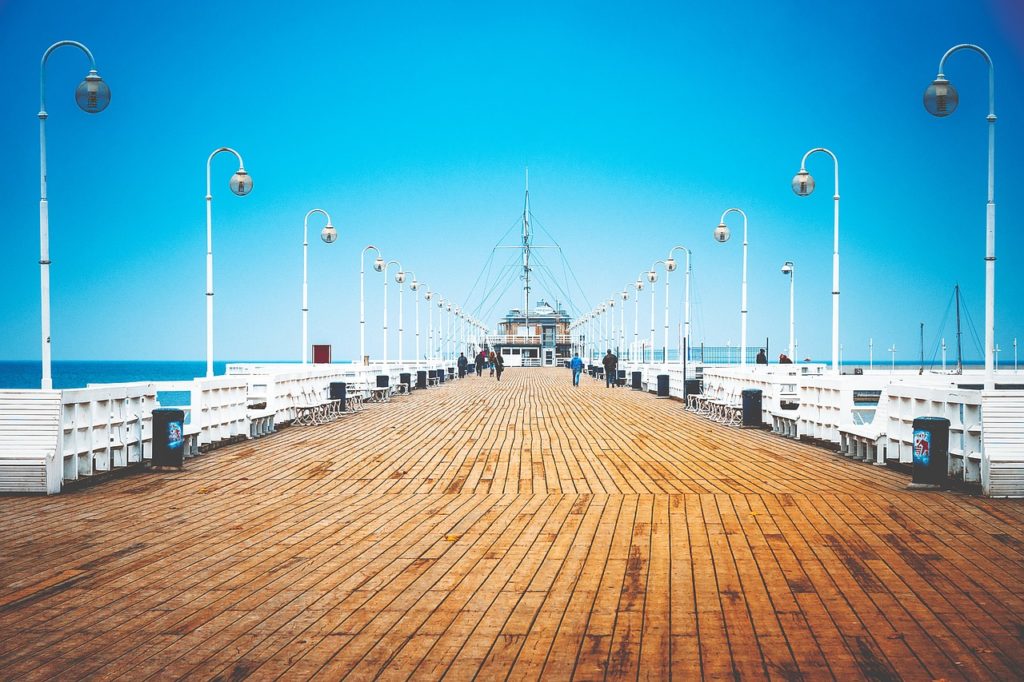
[962,407]
[105,427]
[30,441]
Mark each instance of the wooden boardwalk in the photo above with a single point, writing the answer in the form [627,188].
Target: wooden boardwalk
[513,530]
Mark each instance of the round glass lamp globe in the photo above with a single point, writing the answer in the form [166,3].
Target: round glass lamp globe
[92,95]
[941,98]
[241,183]
[803,183]
[670,264]
[400,277]
[378,264]
[652,277]
[329,234]
[722,233]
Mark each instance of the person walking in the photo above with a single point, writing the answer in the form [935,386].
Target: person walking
[611,368]
[463,362]
[576,365]
[499,365]
[491,361]
[481,360]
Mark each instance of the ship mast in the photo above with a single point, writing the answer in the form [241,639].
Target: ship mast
[959,347]
[526,253]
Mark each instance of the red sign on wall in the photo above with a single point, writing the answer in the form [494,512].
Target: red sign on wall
[321,354]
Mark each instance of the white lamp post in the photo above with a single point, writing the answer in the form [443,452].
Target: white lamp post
[803,185]
[92,97]
[941,99]
[378,265]
[652,277]
[892,349]
[384,270]
[400,279]
[722,236]
[427,296]
[240,184]
[329,235]
[788,269]
[415,286]
[622,320]
[637,288]
[670,265]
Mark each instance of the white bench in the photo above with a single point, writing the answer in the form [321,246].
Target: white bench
[1002,461]
[866,441]
[30,428]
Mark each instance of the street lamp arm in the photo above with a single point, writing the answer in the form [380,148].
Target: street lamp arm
[241,164]
[835,163]
[305,223]
[740,211]
[991,72]
[42,68]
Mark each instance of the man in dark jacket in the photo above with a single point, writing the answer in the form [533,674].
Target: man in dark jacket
[762,358]
[481,359]
[463,362]
[611,368]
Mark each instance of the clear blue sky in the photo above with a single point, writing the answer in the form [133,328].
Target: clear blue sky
[412,123]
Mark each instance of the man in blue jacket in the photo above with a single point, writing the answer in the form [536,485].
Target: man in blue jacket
[577,368]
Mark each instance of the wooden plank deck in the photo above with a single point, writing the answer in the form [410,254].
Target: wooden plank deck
[513,530]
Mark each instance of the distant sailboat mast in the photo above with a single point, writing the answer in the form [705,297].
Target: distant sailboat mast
[526,253]
[959,346]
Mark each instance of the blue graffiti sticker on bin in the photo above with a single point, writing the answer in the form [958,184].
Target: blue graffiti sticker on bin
[175,435]
[922,447]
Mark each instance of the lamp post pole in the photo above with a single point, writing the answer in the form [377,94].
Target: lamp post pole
[670,265]
[378,265]
[638,287]
[789,269]
[652,277]
[722,235]
[400,279]
[240,184]
[941,99]
[92,96]
[415,286]
[430,325]
[803,185]
[622,321]
[384,270]
[329,235]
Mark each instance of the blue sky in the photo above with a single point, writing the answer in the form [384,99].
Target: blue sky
[412,124]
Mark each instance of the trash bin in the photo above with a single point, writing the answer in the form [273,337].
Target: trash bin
[339,391]
[451,374]
[168,437]
[383,380]
[406,378]
[440,376]
[931,452]
[638,378]
[662,385]
[691,387]
[620,377]
[421,378]
[752,408]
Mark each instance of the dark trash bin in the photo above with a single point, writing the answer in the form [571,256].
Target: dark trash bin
[931,452]
[440,376]
[752,411]
[406,378]
[451,374]
[339,391]
[691,387]
[421,378]
[168,437]
[620,377]
[383,380]
[662,385]
[638,378]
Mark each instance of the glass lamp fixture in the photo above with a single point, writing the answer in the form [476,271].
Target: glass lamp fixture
[241,182]
[721,234]
[941,98]
[329,234]
[92,94]
[803,183]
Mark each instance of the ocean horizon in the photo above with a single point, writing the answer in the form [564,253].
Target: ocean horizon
[15,374]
